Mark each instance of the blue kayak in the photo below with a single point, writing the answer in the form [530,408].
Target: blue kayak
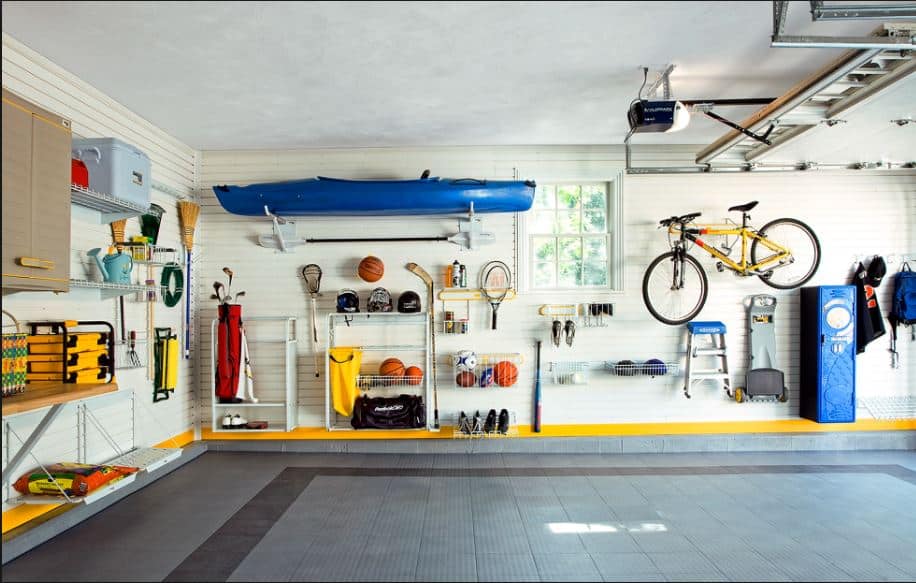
[334,196]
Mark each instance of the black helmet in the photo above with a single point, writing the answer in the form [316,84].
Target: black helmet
[347,301]
[876,271]
[409,302]
[379,300]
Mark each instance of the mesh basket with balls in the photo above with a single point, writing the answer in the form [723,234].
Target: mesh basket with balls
[371,269]
[391,367]
[505,373]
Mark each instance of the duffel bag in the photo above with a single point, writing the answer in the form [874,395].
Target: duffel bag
[401,412]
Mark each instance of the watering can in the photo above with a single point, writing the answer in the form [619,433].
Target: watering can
[115,267]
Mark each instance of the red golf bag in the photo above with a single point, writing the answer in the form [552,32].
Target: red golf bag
[228,352]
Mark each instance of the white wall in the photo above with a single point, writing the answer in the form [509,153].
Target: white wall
[173,169]
[853,213]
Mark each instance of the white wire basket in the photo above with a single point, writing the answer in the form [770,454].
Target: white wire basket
[460,326]
[367,382]
[476,429]
[653,368]
[489,370]
[570,373]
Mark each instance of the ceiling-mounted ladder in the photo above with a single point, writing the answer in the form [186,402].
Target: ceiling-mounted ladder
[820,100]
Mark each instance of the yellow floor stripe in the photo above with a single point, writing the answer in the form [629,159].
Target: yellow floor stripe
[602,430]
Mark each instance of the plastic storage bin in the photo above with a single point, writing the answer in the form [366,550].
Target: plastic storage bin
[115,168]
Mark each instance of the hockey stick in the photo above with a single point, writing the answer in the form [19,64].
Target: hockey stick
[422,274]
[537,390]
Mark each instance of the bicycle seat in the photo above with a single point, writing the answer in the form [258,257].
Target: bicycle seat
[743,208]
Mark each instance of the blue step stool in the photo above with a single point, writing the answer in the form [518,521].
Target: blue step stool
[715,347]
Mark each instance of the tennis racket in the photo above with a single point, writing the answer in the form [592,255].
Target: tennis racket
[311,273]
[495,283]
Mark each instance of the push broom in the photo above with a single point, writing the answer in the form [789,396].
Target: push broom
[187,215]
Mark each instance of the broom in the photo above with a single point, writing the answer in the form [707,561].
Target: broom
[117,238]
[187,215]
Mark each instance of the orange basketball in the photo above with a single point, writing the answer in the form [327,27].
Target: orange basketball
[391,367]
[371,269]
[466,379]
[414,375]
[505,373]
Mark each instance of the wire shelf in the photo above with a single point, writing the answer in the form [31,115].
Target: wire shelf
[903,407]
[488,370]
[475,429]
[111,207]
[570,373]
[629,368]
[374,381]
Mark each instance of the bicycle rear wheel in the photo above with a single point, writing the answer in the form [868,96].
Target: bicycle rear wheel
[668,302]
[802,243]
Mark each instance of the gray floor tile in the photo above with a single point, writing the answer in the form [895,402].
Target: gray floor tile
[682,562]
[267,565]
[662,542]
[447,567]
[624,564]
[566,567]
[508,542]
[609,542]
[507,567]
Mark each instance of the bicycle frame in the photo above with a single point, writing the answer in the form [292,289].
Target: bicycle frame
[746,233]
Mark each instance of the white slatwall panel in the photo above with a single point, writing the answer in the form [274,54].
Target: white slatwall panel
[174,165]
[853,213]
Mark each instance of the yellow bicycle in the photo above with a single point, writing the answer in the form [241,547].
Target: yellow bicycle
[784,254]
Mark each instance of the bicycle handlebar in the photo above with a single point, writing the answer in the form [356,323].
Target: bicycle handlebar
[681,219]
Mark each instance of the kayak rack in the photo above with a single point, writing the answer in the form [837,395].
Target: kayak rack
[470,235]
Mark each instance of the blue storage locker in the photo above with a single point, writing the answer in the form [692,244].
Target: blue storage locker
[828,353]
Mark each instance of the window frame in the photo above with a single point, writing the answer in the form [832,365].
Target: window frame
[613,236]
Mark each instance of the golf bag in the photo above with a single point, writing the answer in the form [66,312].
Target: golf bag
[402,412]
[233,369]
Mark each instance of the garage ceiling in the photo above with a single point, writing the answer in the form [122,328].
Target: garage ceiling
[259,75]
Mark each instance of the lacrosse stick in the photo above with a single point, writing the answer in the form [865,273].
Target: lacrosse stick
[312,275]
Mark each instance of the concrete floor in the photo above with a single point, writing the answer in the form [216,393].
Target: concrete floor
[816,516]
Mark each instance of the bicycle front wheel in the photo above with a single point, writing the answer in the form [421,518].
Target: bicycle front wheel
[669,301]
[804,253]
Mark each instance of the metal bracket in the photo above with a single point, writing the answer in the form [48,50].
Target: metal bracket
[284,234]
[470,235]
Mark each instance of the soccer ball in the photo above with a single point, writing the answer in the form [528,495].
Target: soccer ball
[465,360]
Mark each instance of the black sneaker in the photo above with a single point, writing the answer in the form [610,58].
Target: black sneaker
[504,421]
[464,426]
[557,330]
[490,424]
[570,332]
[477,425]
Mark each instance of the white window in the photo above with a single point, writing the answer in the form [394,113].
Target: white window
[573,237]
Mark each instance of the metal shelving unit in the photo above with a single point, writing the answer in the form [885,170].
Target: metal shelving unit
[378,330]
[288,405]
[111,208]
[147,459]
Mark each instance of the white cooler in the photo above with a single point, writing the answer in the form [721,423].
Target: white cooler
[115,168]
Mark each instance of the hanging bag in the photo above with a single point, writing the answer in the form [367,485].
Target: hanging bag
[15,349]
[228,352]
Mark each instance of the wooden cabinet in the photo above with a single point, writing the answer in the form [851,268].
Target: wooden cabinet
[36,197]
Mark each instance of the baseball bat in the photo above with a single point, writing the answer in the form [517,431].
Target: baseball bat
[537,390]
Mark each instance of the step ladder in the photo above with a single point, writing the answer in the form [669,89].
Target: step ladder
[714,348]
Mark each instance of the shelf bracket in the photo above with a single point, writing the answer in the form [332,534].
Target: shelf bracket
[30,442]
